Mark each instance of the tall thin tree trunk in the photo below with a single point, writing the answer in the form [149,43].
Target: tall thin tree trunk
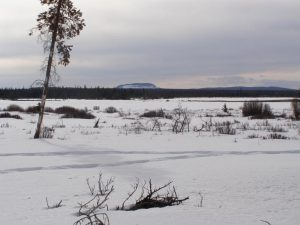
[48,73]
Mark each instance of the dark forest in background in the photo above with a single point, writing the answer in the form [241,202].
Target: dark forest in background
[115,93]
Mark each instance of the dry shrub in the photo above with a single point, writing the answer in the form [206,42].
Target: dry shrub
[81,114]
[66,110]
[30,109]
[71,112]
[276,128]
[181,120]
[47,133]
[111,109]
[91,211]
[33,109]
[252,136]
[252,108]
[8,115]
[49,110]
[276,136]
[14,108]
[137,127]
[154,113]
[225,127]
[257,110]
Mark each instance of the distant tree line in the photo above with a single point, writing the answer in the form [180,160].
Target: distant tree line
[115,93]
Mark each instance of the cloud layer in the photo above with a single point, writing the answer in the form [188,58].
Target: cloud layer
[173,43]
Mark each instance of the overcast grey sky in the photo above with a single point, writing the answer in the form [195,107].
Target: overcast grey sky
[172,43]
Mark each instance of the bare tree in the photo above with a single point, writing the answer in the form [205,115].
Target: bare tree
[61,22]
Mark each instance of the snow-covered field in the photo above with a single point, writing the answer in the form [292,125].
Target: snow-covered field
[244,179]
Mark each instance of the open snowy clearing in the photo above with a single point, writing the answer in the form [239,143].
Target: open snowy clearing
[243,178]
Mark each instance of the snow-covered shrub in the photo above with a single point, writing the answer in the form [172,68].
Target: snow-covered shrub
[110,109]
[33,109]
[4,125]
[276,128]
[181,120]
[223,114]
[137,127]
[275,136]
[225,128]
[264,123]
[252,136]
[243,126]
[155,124]
[206,126]
[59,125]
[96,108]
[47,132]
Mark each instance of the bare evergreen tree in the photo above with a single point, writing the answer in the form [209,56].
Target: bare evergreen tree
[61,22]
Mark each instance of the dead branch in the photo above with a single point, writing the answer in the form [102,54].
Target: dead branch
[156,124]
[267,222]
[91,188]
[93,219]
[152,197]
[97,124]
[104,186]
[130,194]
[96,203]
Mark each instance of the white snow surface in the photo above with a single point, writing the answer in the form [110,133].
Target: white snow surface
[243,181]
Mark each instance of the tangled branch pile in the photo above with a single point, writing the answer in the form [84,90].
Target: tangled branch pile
[152,197]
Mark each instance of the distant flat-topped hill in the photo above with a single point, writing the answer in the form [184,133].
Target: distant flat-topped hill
[234,88]
[137,86]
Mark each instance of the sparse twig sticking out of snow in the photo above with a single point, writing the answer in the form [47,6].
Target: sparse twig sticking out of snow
[91,188]
[57,205]
[201,200]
